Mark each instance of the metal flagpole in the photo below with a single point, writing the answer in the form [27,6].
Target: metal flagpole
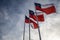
[24,32]
[38,28]
[29,29]
[38,25]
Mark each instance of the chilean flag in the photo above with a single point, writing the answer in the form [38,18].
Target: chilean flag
[27,20]
[48,8]
[39,17]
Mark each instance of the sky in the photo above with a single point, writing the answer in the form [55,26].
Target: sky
[12,13]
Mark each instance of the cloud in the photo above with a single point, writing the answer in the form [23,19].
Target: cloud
[12,21]
[10,11]
[50,28]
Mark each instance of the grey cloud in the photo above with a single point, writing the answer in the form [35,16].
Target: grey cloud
[10,11]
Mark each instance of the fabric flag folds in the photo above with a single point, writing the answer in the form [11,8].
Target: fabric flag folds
[48,10]
[40,17]
[35,25]
[27,20]
[31,14]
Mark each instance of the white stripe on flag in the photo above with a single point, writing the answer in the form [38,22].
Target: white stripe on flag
[46,6]
[33,20]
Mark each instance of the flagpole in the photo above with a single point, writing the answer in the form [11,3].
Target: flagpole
[24,32]
[29,30]
[38,28]
[38,25]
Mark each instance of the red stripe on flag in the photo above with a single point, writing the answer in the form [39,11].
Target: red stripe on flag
[49,10]
[35,25]
[39,17]
[27,21]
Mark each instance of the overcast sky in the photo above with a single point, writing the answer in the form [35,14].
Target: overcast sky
[12,14]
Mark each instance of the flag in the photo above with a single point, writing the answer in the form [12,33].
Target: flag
[27,20]
[35,25]
[31,14]
[38,6]
[39,17]
[49,10]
